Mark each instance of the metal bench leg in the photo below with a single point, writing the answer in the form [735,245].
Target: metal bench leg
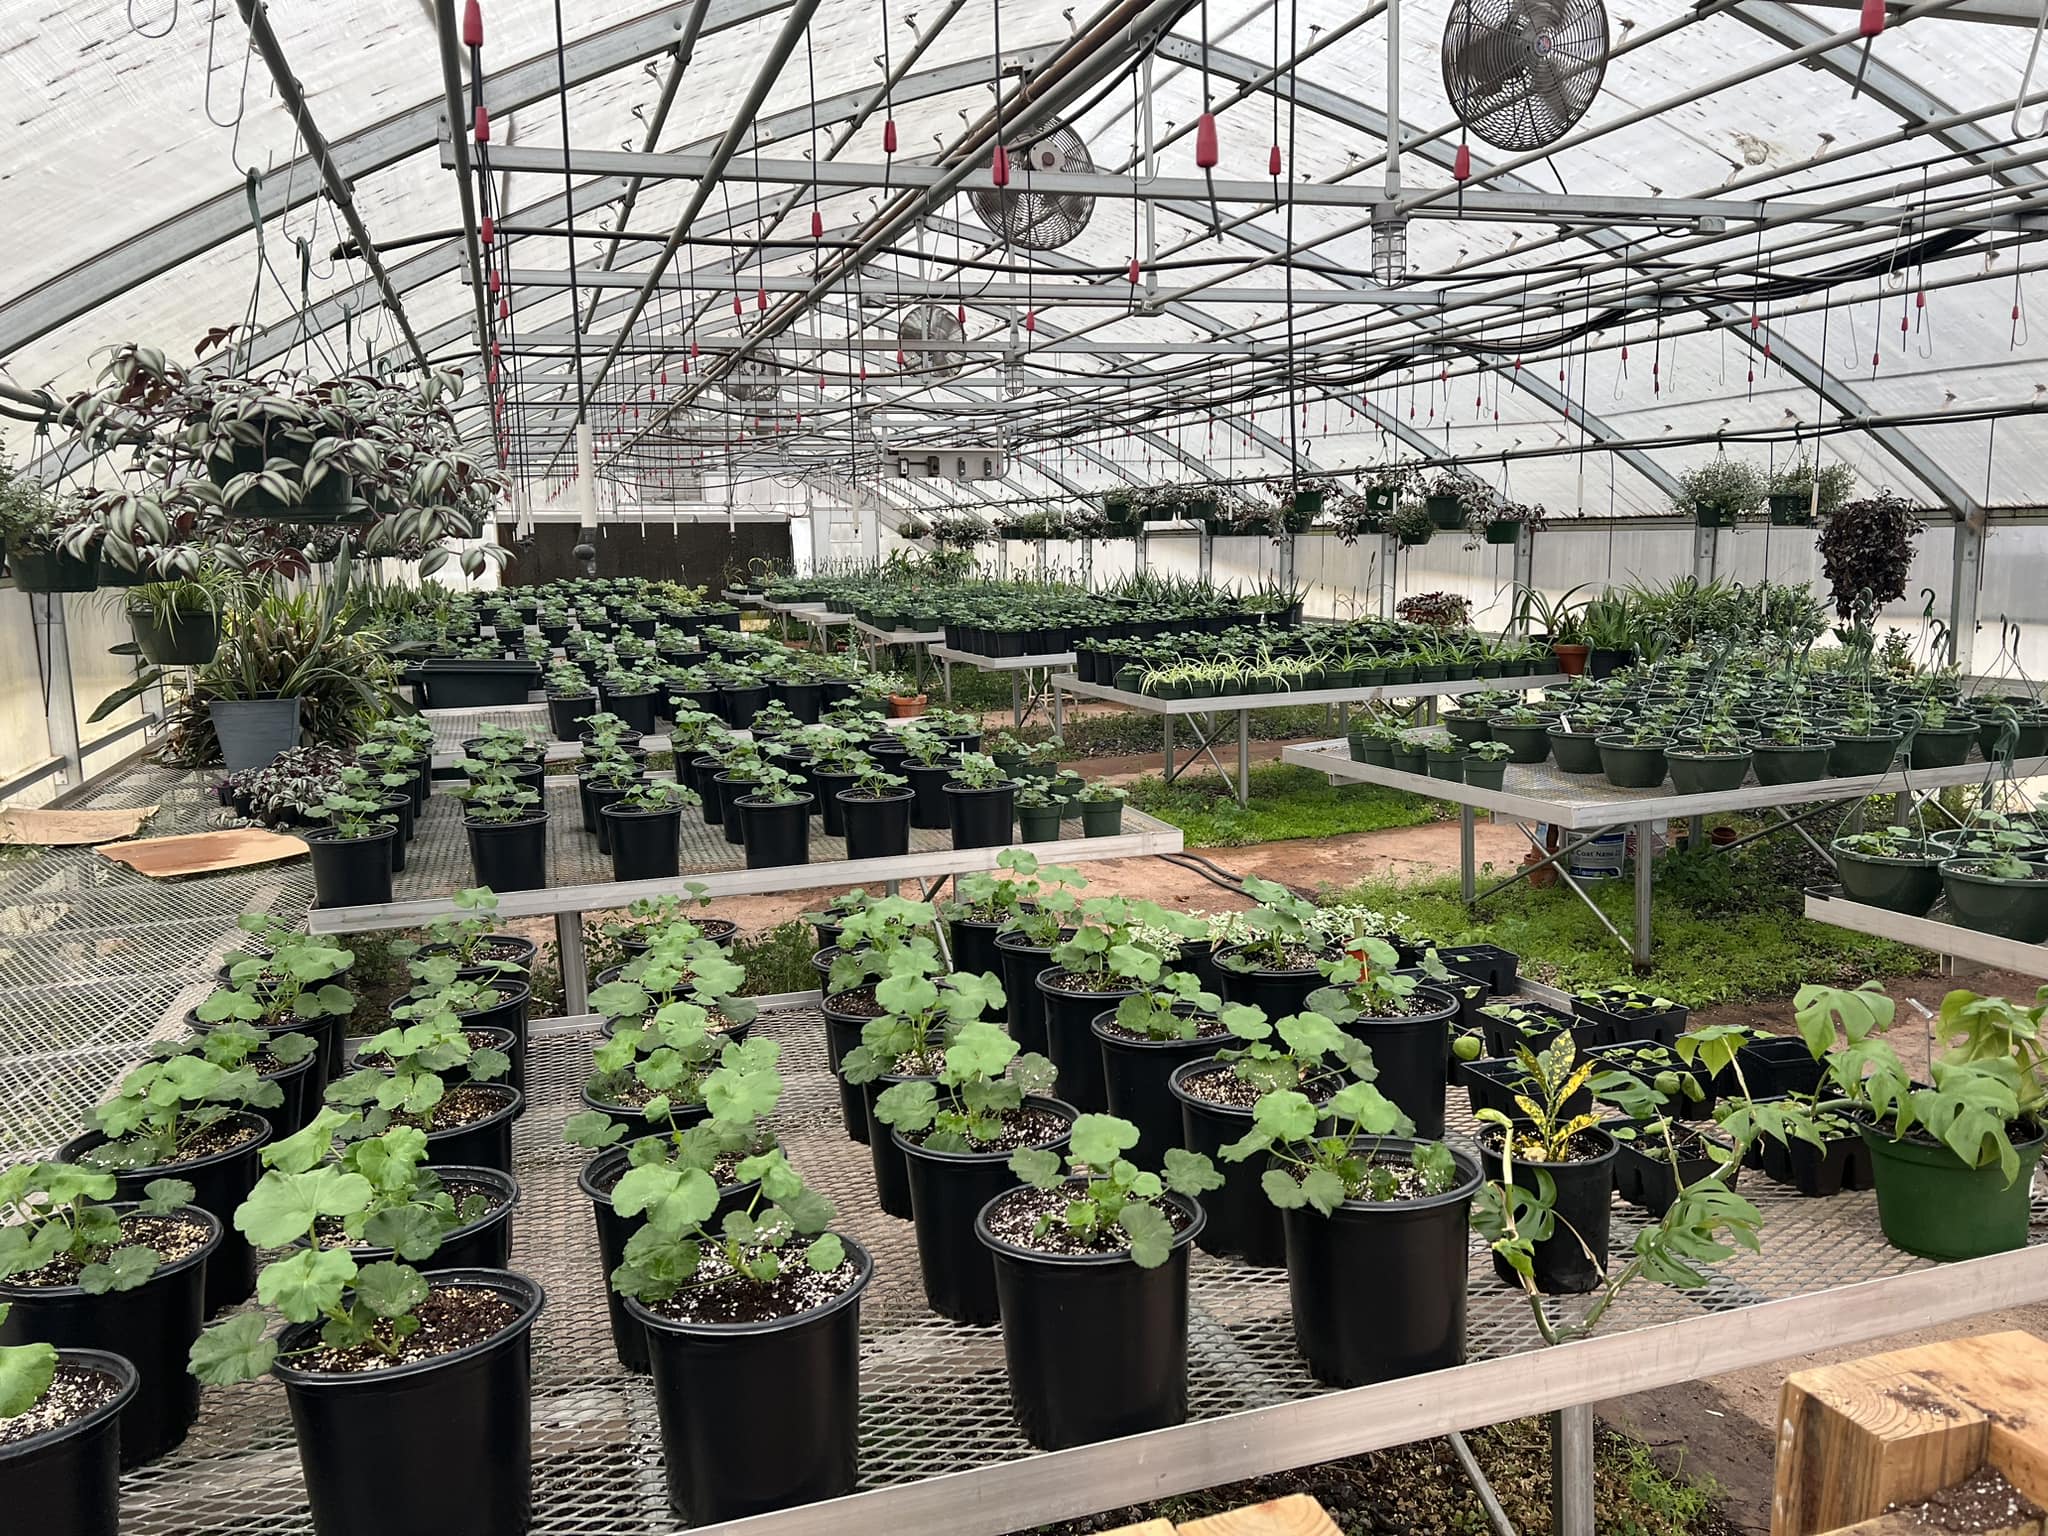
[575,967]
[1467,875]
[1244,758]
[1571,1471]
[1646,866]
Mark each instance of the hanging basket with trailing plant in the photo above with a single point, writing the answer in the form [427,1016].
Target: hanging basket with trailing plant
[1799,495]
[1720,491]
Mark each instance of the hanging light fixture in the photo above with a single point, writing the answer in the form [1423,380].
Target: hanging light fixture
[1390,250]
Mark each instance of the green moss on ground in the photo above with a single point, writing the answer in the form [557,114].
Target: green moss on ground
[1286,802]
[1420,1490]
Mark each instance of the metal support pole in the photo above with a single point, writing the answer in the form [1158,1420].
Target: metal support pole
[1966,578]
[575,968]
[1244,757]
[1646,865]
[1390,550]
[1016,700]
[1205,554]
[1286,559]
[1706,543]
[451,84]
[1571,1471]
[60,718]
[1166,731]
[1525,564]
[1468,874]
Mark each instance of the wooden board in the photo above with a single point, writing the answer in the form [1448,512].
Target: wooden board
[69,829]
[1144,1528]
[1856,1438]
[1902,1525]
[1295,1515]
[203,853]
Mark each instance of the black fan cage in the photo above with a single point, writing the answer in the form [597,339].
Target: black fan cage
[1520,73]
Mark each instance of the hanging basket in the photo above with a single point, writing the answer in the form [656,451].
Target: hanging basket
[1308,505]
[1502,530]
[1791,509]
[1413,536]
[1381,498]
[1705,515]
[53,571]
[1445,512]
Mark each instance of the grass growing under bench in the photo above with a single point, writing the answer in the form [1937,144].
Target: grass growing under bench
[1286,802]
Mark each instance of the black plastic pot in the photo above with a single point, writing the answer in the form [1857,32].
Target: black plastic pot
[220,1183]
[875,828]
[974,947]
[301,1083]
[599,1176]
[568,712]
[453,684]
[637,709]
[1906,885]
[1021,961]
[1788,765]
[596,798]
[450,1438]
[485,1143]
[1280,993]
[1629,765]
[152,1327]
[831,811]
[1942,746]
[1070,1037]
[981,818]
[67,1481]
[731,788]
[1818,1172]
[252,732]
[744,702]
[350,871]
[1097,1348]
[179,640]
[1700,773]
[1135,1074]
[1573,1259]
[717,1384]
[1651,1182]
[646,845]
[1241,1223]
[842,1034]
[892,1171]
[704,772]
[1854,756]
[1378,1290]
[509,855]
[928,791]
[947,1193]
[775,834]
[1412,1053]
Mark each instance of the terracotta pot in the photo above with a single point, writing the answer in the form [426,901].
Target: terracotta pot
[1571,659]
[905,706]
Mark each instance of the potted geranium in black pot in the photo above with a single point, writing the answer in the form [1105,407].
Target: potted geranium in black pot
[737,1307]
[714,1132]
[646,829]
[1280,962]
[775,819]
[433,1078]
[1091,1260]
[1376,1225]
[352,854]
[426,1377]
[1105,958]
[875,812]
[1403,1021]
[920,1013]
[956,1131]
[507,830]
[980,802]
[80,1271]
[60,1466]
[1168,1021]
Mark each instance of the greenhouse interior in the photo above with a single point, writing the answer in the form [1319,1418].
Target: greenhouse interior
[1172,767]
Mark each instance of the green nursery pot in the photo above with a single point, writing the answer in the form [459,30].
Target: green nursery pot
[1897,885]
[1525,743]
[1629,766]
[1575,751]
[1789,765]
[1942,746]
[1930,1204]
[2010,909]
[1700,773]
[1854,756]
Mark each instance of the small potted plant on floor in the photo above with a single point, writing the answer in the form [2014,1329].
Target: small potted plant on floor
[1377,1229]
[1091,1261]
[507,830]
[60,1464]
[1102,809]
[428,1378]
[980,802]
[738,1306]
[646,829]
[1562,1155]
[79,1270]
